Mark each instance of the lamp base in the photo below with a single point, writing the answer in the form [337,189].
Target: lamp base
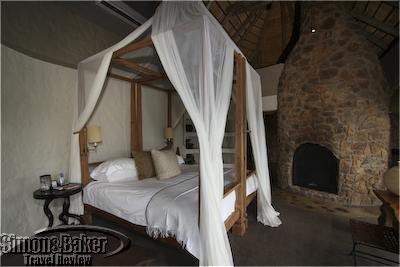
[169,144]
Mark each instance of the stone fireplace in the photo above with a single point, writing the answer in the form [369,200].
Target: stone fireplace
[331,96]
[315,167]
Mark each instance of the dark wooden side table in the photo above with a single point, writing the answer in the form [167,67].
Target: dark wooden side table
[52,194]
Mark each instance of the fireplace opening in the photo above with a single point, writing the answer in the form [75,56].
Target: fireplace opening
[315,167]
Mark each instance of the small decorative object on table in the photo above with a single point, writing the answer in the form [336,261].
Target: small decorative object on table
[61,179]
[45,182]
[63,192]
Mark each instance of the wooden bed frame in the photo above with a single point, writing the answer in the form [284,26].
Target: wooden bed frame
[237,221]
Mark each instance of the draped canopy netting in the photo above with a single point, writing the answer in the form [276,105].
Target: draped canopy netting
[198,57]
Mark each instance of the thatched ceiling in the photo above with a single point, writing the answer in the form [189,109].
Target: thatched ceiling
[380,21]
[262,29]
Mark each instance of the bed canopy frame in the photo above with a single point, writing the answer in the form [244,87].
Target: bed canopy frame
[237,221]
[203,64]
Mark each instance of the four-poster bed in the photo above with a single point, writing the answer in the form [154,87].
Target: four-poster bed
[237,221]
[198,58]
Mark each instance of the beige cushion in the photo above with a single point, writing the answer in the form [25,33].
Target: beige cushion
[144,164]
[165,164]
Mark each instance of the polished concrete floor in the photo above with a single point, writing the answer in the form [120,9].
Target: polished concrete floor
[308,236]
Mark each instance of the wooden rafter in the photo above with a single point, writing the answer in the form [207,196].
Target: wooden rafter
[393,4]
[251,18]
[119,77]
[376,23]
[378,42]
[284,20]
[295,33]
[260,39]
[151,78]
[135,67]
[166,90]
[290,12]
[244,7]
[146,42]
[218,5]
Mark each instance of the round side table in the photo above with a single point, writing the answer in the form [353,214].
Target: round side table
[50,195]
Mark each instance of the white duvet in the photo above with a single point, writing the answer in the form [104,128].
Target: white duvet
[166,207]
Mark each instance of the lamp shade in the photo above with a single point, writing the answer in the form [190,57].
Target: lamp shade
[93,134]
[168,133]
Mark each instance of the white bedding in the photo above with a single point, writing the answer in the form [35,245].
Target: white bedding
[129,200]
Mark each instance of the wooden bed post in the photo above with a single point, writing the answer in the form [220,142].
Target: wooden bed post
[136,117]
[87,216]
[240,226]
[169,115]
[83,153]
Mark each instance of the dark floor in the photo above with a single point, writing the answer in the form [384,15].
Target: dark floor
[304,238]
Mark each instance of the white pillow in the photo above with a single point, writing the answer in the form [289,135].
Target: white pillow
[116,170]
[180,159]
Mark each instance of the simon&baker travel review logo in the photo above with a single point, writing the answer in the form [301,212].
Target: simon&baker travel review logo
[71,245]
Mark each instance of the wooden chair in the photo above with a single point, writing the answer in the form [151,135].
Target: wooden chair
[374,236]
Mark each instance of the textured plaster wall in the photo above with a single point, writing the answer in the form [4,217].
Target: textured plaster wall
[154,117]
[113,115]
[177,109]
[270,78]
[36,125]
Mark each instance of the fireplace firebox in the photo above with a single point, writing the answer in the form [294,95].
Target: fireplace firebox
[315,167]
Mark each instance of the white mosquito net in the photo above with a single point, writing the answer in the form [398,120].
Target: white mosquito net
[198,58]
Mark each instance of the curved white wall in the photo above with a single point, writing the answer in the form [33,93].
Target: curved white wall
[36,126]
[113,115]
[36,120]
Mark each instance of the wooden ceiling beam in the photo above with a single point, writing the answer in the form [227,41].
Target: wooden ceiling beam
[393,4]
[146,42]
[376,23]
[166,90]
[371,37]
[251,18]
[261,38]
[119,77]
[151,78]
[135,67]
[284,20]
[225,14]
[240,7]
[295,33]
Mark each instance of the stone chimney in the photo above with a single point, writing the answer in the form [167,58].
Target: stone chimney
[331,93]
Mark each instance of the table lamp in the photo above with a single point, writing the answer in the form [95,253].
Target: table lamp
[93,137]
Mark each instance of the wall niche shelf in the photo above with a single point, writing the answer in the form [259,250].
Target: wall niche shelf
[191,150]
